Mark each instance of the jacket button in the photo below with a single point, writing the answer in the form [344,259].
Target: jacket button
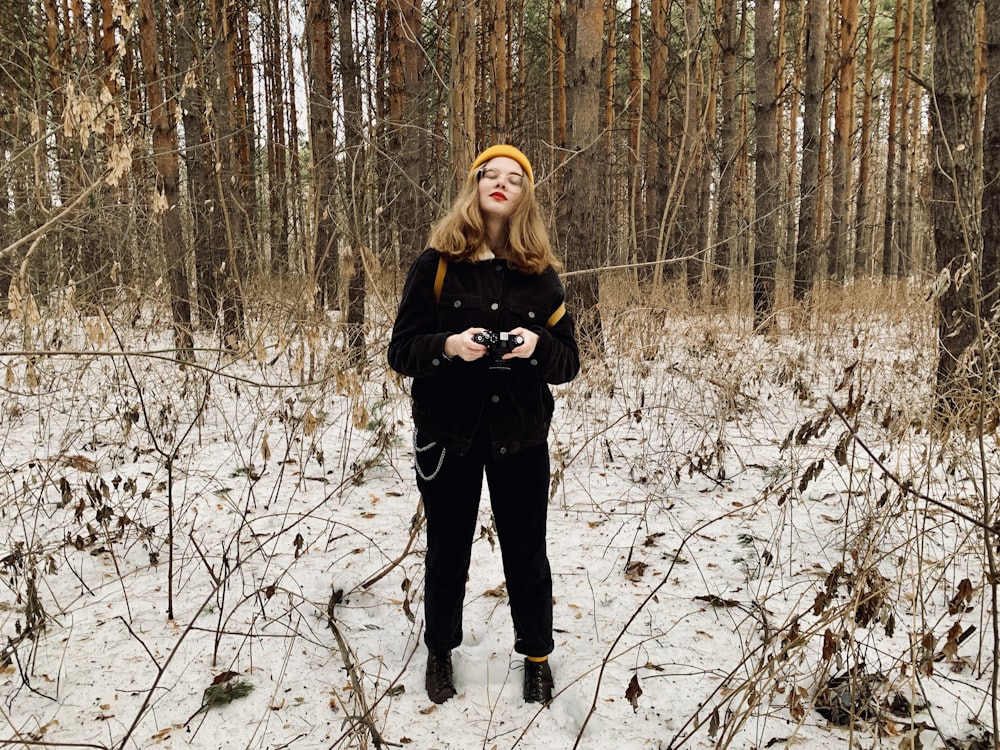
[534,362]
[458,303]
[435,361]
[495,306]
[495,399]
[503,450]
[531,314]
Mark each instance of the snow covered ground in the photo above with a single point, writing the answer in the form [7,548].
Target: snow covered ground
[230,555]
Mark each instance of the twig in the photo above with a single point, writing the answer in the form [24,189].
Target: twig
[418,522]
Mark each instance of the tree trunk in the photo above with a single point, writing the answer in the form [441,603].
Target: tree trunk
[807,247]
[837,249]
[230,153]
[208,237]
[766,183]
[323,150]
[354,166]
[657,178]
[584,227]
[693,213]
[863,228]
[463,87]
[408,172]
[902,228]
[891,184]
[991,165]
[167,178]
[729,146]
[277,142]
[956,191]
[635,78]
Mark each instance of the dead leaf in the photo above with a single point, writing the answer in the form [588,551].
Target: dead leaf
[717,601]
[632,693]
[635,570]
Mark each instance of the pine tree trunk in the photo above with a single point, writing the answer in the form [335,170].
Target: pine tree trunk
[277,142]
[807,247]
[658,175]
[407,171]
[167,180]
[207,233]
[584,228]
[693,213]
[354,166]
[956,190]
[863,229]
[727,227]
[889,264]
[837,249]
[991,165]
[230,153]
[463,87]
[323,262]
[766,184]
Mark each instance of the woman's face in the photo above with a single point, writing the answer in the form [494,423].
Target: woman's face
[501,182]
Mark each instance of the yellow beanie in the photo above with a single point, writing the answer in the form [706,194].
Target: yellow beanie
[503,150]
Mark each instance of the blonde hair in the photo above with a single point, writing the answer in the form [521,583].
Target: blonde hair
[461,232]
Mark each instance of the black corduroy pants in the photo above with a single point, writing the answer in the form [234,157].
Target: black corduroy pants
[518,488]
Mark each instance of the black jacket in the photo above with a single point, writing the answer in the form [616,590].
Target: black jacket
[451,398]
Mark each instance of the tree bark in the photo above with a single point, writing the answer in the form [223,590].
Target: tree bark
[766,183]
[584,227]
[837,249]
[807,244]
[167,178]
[657,177]
[991,165]
[956,191]
[355,203]
[863,226]
[323,263]
[408,172]
[729,146]
[208,237]
[463,87]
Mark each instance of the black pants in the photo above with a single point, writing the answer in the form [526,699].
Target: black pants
[518,487]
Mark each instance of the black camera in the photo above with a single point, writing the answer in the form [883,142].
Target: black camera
[498,344]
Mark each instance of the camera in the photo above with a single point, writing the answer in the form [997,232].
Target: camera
[498,344]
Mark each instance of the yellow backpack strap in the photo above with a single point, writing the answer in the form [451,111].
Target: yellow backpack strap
[439,278]
[556,316]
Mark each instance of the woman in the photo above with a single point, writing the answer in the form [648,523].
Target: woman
[481,403]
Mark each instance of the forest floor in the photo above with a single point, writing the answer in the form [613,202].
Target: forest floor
[756,540]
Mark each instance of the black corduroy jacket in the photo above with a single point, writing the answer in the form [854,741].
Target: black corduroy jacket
[451,398]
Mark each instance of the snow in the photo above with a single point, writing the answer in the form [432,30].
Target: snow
[691,531]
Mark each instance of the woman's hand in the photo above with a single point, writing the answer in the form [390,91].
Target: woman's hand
[526,349]
[462,345]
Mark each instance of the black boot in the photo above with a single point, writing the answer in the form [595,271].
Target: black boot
[440,682]
[537,681]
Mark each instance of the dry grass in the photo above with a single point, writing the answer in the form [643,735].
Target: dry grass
[854,584]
